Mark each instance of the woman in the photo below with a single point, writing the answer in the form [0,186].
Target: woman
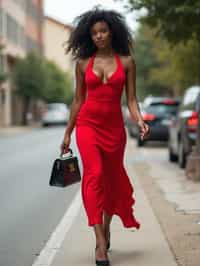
[101,43]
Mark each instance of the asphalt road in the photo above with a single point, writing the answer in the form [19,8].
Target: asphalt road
[30,208]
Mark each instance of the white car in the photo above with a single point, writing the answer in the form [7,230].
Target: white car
[55,114]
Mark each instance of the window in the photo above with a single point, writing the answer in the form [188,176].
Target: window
[32,10]
[22,38]
[1,22]
[12,29]
[191,95]
[1,63]
[15,32]
[31,45]
[21,3]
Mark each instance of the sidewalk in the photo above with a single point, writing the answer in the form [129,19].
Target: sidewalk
[144,247]
[14,130]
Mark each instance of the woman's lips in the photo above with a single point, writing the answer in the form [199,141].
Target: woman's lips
[100,42]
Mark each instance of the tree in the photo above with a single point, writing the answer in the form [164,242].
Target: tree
[178,65]
[146,60]
[36,78]
[58,86]
[177,21]
[29,78]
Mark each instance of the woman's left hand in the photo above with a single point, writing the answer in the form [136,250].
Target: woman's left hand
[144,129]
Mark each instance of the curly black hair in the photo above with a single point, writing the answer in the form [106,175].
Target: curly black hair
[80,41]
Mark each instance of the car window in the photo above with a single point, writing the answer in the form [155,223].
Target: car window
[162,109]
[191,95]
[52,107]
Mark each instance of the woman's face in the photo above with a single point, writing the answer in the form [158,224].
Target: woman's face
[101,34]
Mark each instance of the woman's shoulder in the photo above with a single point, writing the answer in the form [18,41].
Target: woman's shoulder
[127,61]
[82,63]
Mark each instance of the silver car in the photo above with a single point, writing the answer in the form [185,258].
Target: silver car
[55,114]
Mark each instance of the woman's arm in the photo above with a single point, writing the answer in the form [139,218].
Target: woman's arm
[131,90]
[79,98]
[131,97]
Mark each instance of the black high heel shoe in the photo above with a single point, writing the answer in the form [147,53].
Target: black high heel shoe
[102,262]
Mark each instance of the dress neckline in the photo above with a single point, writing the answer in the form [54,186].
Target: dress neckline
[111,76]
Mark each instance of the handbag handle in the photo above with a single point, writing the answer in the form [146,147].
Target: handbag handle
[69,150]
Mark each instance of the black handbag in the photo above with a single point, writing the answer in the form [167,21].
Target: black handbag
[65,171]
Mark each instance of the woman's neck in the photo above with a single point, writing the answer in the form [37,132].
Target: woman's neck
[105,52]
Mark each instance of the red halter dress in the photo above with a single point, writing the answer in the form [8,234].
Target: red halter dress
[101,140]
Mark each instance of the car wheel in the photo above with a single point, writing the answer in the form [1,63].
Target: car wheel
[131,134]
[172,157]
[181,155]
[45,124]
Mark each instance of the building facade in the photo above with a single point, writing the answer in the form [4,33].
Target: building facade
[21,31]
[55,36]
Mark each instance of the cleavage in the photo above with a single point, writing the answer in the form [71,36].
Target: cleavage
[102,76]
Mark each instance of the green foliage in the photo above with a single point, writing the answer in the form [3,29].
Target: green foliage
[174,19]
[179,65]
[29,76]
[35,77]
[58,84]
[163,68]
[146,59]
[3,75]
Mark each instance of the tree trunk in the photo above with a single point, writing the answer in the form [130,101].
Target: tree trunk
[25,110]
[198,135]
[198,109]
[193,162]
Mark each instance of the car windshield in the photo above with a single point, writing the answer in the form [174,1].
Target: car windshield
[52,107]
[162,109]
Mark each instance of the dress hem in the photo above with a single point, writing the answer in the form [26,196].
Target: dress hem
[132,223]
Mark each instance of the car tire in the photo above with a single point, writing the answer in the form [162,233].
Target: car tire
[172,157]
[45,124]
[131,134]
[181,155]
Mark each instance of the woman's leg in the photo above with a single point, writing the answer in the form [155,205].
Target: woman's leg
[101,251]
[106,225]
[92,185]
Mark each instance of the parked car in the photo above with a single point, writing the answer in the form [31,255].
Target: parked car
[55,114]
[183,128]
[157,112]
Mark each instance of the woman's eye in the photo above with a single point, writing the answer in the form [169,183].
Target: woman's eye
[94,34]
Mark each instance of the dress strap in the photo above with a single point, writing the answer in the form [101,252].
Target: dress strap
[119,62]
[118,59]
[90,62]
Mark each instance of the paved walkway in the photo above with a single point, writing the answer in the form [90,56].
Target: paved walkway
[144,247]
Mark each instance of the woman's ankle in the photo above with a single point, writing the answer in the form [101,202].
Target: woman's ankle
[101,252]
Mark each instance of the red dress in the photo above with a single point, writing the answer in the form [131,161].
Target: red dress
[101,139]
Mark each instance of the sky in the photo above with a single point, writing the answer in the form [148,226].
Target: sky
[66,10]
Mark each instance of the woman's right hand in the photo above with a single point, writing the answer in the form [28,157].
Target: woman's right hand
[64,147]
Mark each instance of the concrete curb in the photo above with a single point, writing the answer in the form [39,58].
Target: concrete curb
[14,130]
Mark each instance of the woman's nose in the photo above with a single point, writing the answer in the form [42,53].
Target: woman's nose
[98,35]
